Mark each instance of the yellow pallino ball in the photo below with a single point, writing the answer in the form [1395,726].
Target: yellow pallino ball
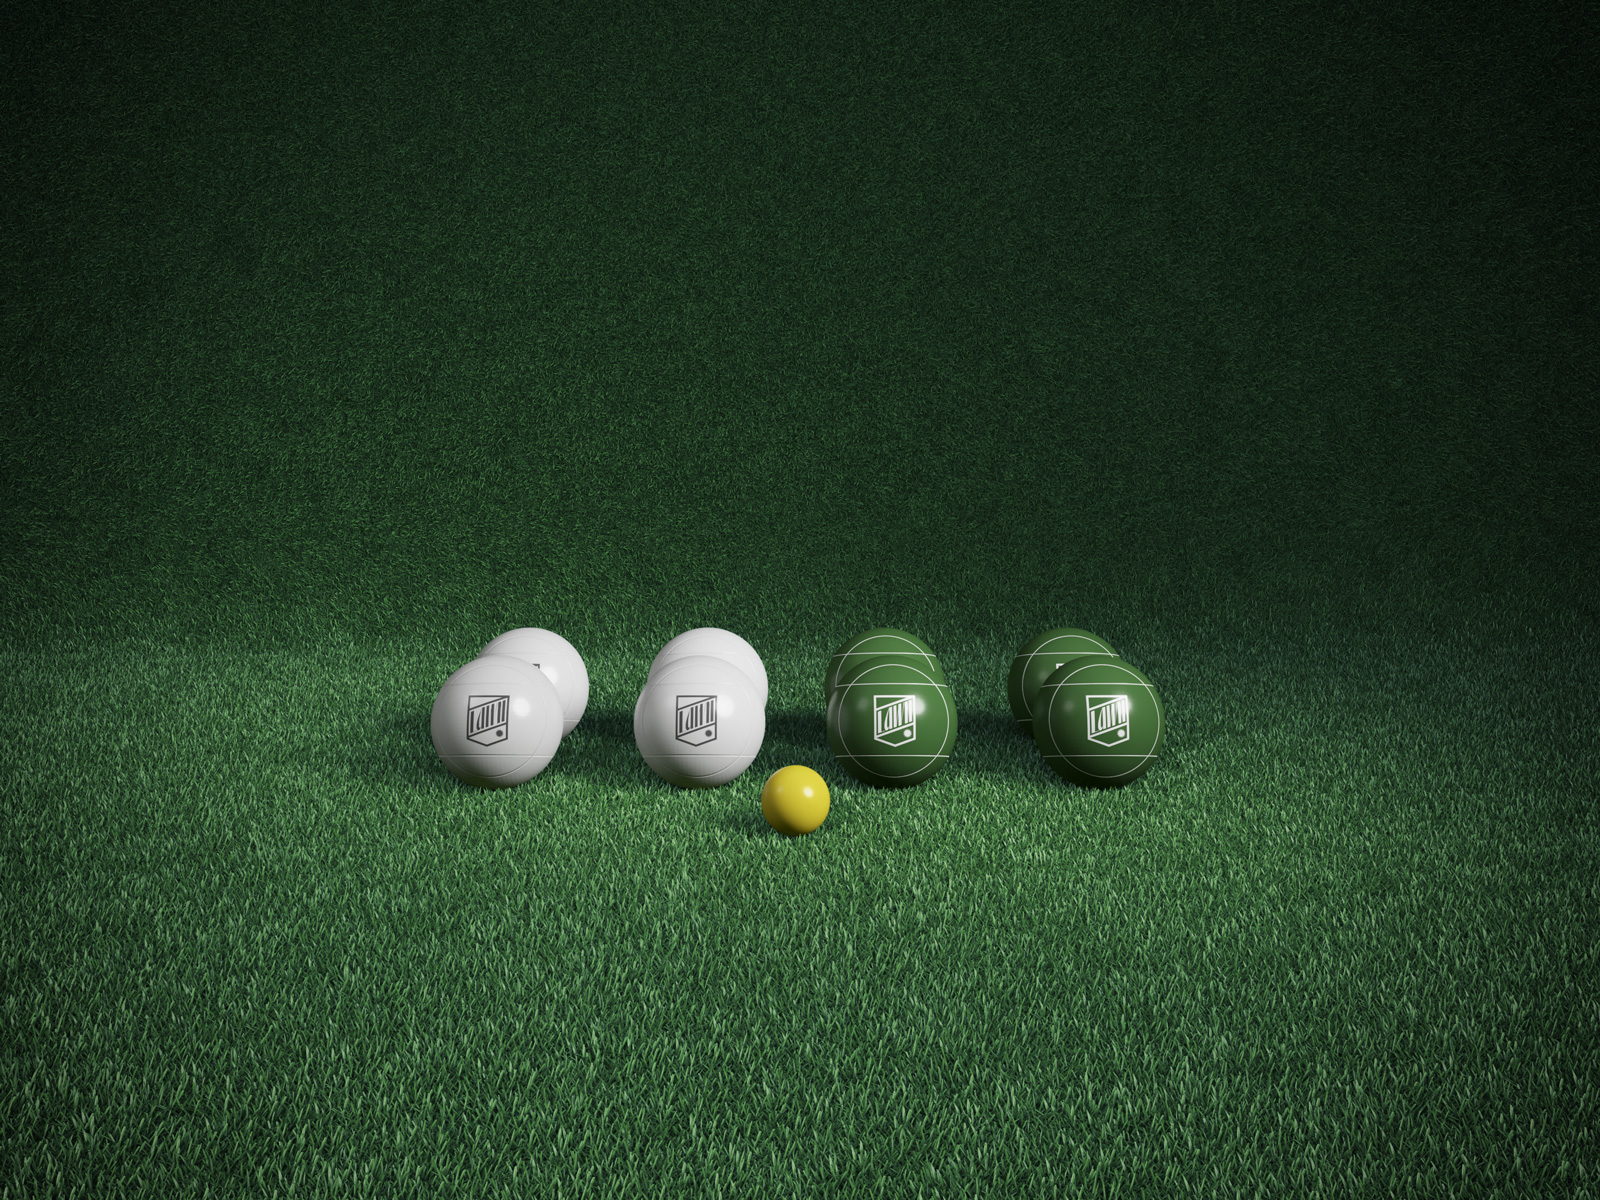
[794,800]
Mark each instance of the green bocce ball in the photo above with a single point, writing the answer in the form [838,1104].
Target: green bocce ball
[880,641]
[1098,724]
[1037,659]
[891,724]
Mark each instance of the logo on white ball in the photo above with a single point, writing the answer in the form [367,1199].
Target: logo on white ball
[488,719]
[894,719]
[697,719]
[1108,719]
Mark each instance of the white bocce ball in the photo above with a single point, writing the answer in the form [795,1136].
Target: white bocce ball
[718,643]
[496,722]
[699,721]
[558,659]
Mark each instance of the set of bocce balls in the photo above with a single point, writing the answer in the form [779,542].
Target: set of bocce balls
[701,718]
[891,721]
[498,721]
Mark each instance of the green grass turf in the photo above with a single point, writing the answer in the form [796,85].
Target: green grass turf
[1339,941]
[334,342]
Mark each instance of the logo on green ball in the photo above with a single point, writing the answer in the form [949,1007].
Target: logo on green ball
[1108,719]
[894,719]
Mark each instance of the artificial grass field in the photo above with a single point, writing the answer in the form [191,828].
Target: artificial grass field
[339,340]
[1339,941]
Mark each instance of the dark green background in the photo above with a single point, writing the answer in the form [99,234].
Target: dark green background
[1258,340]
[419,319]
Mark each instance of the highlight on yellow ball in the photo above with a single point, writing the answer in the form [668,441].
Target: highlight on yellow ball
[794,800]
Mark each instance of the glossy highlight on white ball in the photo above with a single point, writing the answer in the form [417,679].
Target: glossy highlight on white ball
[717,643]
[558,659]
[699,722]
[496,722]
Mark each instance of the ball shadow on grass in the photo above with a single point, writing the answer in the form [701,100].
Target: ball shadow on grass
[748,824]
[993,744]
[601,751]
[796,735]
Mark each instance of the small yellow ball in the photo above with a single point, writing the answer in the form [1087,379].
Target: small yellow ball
[794,800]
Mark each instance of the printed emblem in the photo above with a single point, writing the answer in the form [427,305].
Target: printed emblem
[894,719]
[1108,719]
[697,719]
[488,719]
